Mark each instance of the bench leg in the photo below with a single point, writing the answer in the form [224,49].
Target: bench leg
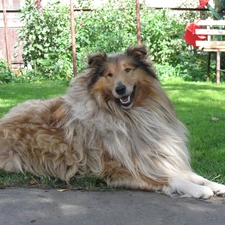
[208,67]
[218,67]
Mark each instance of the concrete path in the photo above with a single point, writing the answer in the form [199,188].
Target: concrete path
[51,207]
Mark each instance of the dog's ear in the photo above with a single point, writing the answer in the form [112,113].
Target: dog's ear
[139,52]
[96,59]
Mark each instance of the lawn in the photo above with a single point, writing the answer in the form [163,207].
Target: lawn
[200,106]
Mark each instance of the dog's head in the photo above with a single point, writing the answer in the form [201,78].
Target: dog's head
[117,77]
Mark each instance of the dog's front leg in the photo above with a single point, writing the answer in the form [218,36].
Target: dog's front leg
[193,185]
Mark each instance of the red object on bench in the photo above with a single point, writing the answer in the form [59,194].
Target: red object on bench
[191,37]
[203,3]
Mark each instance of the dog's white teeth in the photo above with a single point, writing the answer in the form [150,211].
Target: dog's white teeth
[125,99]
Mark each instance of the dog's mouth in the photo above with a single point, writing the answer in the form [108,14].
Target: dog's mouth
[127,101]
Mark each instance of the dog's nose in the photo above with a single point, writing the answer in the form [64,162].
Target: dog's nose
[120,89]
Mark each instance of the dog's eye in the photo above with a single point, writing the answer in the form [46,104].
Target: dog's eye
[109,74]
[127,70]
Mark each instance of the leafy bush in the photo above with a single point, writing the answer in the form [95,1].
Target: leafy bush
[163,32]
[5,73]
[46,38]
[113,28]
[45,35]
[166,71]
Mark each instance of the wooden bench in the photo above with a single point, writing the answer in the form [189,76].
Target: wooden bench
[212,43]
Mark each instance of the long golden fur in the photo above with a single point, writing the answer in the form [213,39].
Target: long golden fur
[115,122]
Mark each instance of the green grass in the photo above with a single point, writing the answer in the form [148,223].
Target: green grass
[13,93]
[196,104]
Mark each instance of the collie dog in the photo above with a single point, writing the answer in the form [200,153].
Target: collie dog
[115,122]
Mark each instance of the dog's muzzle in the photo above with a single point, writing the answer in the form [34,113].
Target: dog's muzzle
[125,95]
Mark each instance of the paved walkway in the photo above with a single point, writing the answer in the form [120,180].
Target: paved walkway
[51,207]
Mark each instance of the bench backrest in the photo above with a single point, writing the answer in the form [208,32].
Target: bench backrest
[211,30]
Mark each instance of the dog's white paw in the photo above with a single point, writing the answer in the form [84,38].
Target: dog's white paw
[202,192]
[189,189]
[218,189]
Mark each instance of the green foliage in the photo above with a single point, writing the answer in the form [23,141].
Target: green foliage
[163,33]
[45,36]
[5,73]
[166,71]
[193,66]
[111,27]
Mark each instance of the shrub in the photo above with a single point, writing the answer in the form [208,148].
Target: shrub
[5,73]
[111,27]
[45,35]
[163,33]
